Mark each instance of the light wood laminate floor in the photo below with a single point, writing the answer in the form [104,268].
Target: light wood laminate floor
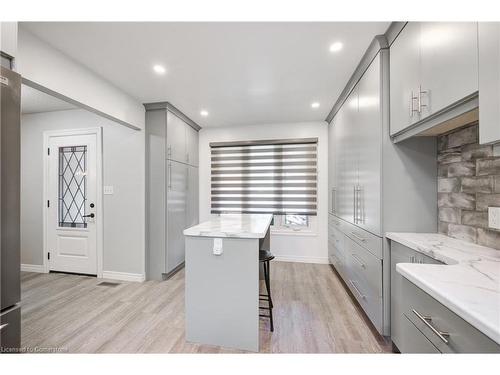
[313,314]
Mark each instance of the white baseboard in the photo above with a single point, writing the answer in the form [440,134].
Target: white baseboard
[39,268]
[123,276]
[301,259]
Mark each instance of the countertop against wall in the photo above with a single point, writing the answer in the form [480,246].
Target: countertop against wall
[468,283]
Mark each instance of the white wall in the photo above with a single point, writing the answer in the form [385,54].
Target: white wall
[123,168]
[43,65]
[290,247]
[8,38]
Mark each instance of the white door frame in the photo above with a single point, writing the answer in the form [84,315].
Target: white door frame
[99,201]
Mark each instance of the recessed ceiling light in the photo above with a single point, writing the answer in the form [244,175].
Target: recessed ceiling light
[335,47]
[204,113]
[315,105]
[159,69]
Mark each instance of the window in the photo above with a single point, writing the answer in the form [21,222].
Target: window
[72,186]
[276,176]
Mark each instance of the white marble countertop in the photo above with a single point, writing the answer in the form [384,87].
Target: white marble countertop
[468,283]
[232,225]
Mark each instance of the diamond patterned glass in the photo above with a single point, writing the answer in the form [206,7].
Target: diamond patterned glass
[72,186]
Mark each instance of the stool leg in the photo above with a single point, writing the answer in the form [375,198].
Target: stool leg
[267,271]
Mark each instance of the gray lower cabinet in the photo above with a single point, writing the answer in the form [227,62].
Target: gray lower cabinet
[171,188]
[360,269]
[421,324]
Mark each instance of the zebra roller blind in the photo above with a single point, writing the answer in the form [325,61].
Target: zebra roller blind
[276,176]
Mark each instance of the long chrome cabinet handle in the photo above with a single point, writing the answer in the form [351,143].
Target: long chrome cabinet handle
[358,237]
[4,326]
[334,195]
[357,259]
[354,203]
[357,290]
[419,101]
[169,175]
[426,320]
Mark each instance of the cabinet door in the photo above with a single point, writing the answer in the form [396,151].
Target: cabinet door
[489,82]
[177,174]
[368,133]
[404,77]
[191,145]
[192,196]
[449,64]
[176,138]
[331,167]
[348,176]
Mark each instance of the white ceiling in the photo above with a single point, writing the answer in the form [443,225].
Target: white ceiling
[35,101]
[241,73]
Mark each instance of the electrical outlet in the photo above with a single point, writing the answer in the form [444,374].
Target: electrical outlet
[494,217]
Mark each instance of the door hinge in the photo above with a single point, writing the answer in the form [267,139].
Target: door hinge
[48,255]
[48,151]
[48,203]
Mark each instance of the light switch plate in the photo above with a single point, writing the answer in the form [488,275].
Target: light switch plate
[108,190]
[494,217]
[217,246]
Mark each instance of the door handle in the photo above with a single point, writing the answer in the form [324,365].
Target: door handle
[89,215]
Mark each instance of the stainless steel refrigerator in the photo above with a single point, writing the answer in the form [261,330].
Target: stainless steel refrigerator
[10,144]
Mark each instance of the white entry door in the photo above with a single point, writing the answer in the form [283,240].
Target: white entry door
[72,201]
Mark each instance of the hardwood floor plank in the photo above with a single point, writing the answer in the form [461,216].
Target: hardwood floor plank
[313,313]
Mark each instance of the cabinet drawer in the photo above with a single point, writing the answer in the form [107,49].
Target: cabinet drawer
[406,255]
[371,303]
[431,317]
[365,268]
[366,239]
[413,340]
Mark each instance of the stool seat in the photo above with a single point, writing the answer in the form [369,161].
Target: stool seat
[265,256]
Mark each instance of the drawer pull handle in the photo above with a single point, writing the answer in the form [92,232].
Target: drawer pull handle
[358,237]
[357,290]
[3,326]
[426,320]
[356,258]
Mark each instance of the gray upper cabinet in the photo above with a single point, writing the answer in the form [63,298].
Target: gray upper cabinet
[404,77]
[176,138]
[332,184]
[356,153]
[182,140]
[489,82]
[434,65]
[191,146]
[369,147]
[448,63]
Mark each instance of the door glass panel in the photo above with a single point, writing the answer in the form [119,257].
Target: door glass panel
[72,186]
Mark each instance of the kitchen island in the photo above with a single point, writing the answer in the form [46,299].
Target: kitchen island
[222,279]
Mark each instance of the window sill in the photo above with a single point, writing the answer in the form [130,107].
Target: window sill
[291,232]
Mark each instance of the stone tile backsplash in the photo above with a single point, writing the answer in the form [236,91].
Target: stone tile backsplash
[468,183]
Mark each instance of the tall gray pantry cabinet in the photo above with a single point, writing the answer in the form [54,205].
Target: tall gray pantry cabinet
[375,186]
[171,186]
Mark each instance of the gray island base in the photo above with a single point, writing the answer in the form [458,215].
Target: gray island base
[222,280]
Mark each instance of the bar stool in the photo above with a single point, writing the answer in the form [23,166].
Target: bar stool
[265,258]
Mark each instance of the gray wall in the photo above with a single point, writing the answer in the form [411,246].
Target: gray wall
[468,183]
[123,168]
